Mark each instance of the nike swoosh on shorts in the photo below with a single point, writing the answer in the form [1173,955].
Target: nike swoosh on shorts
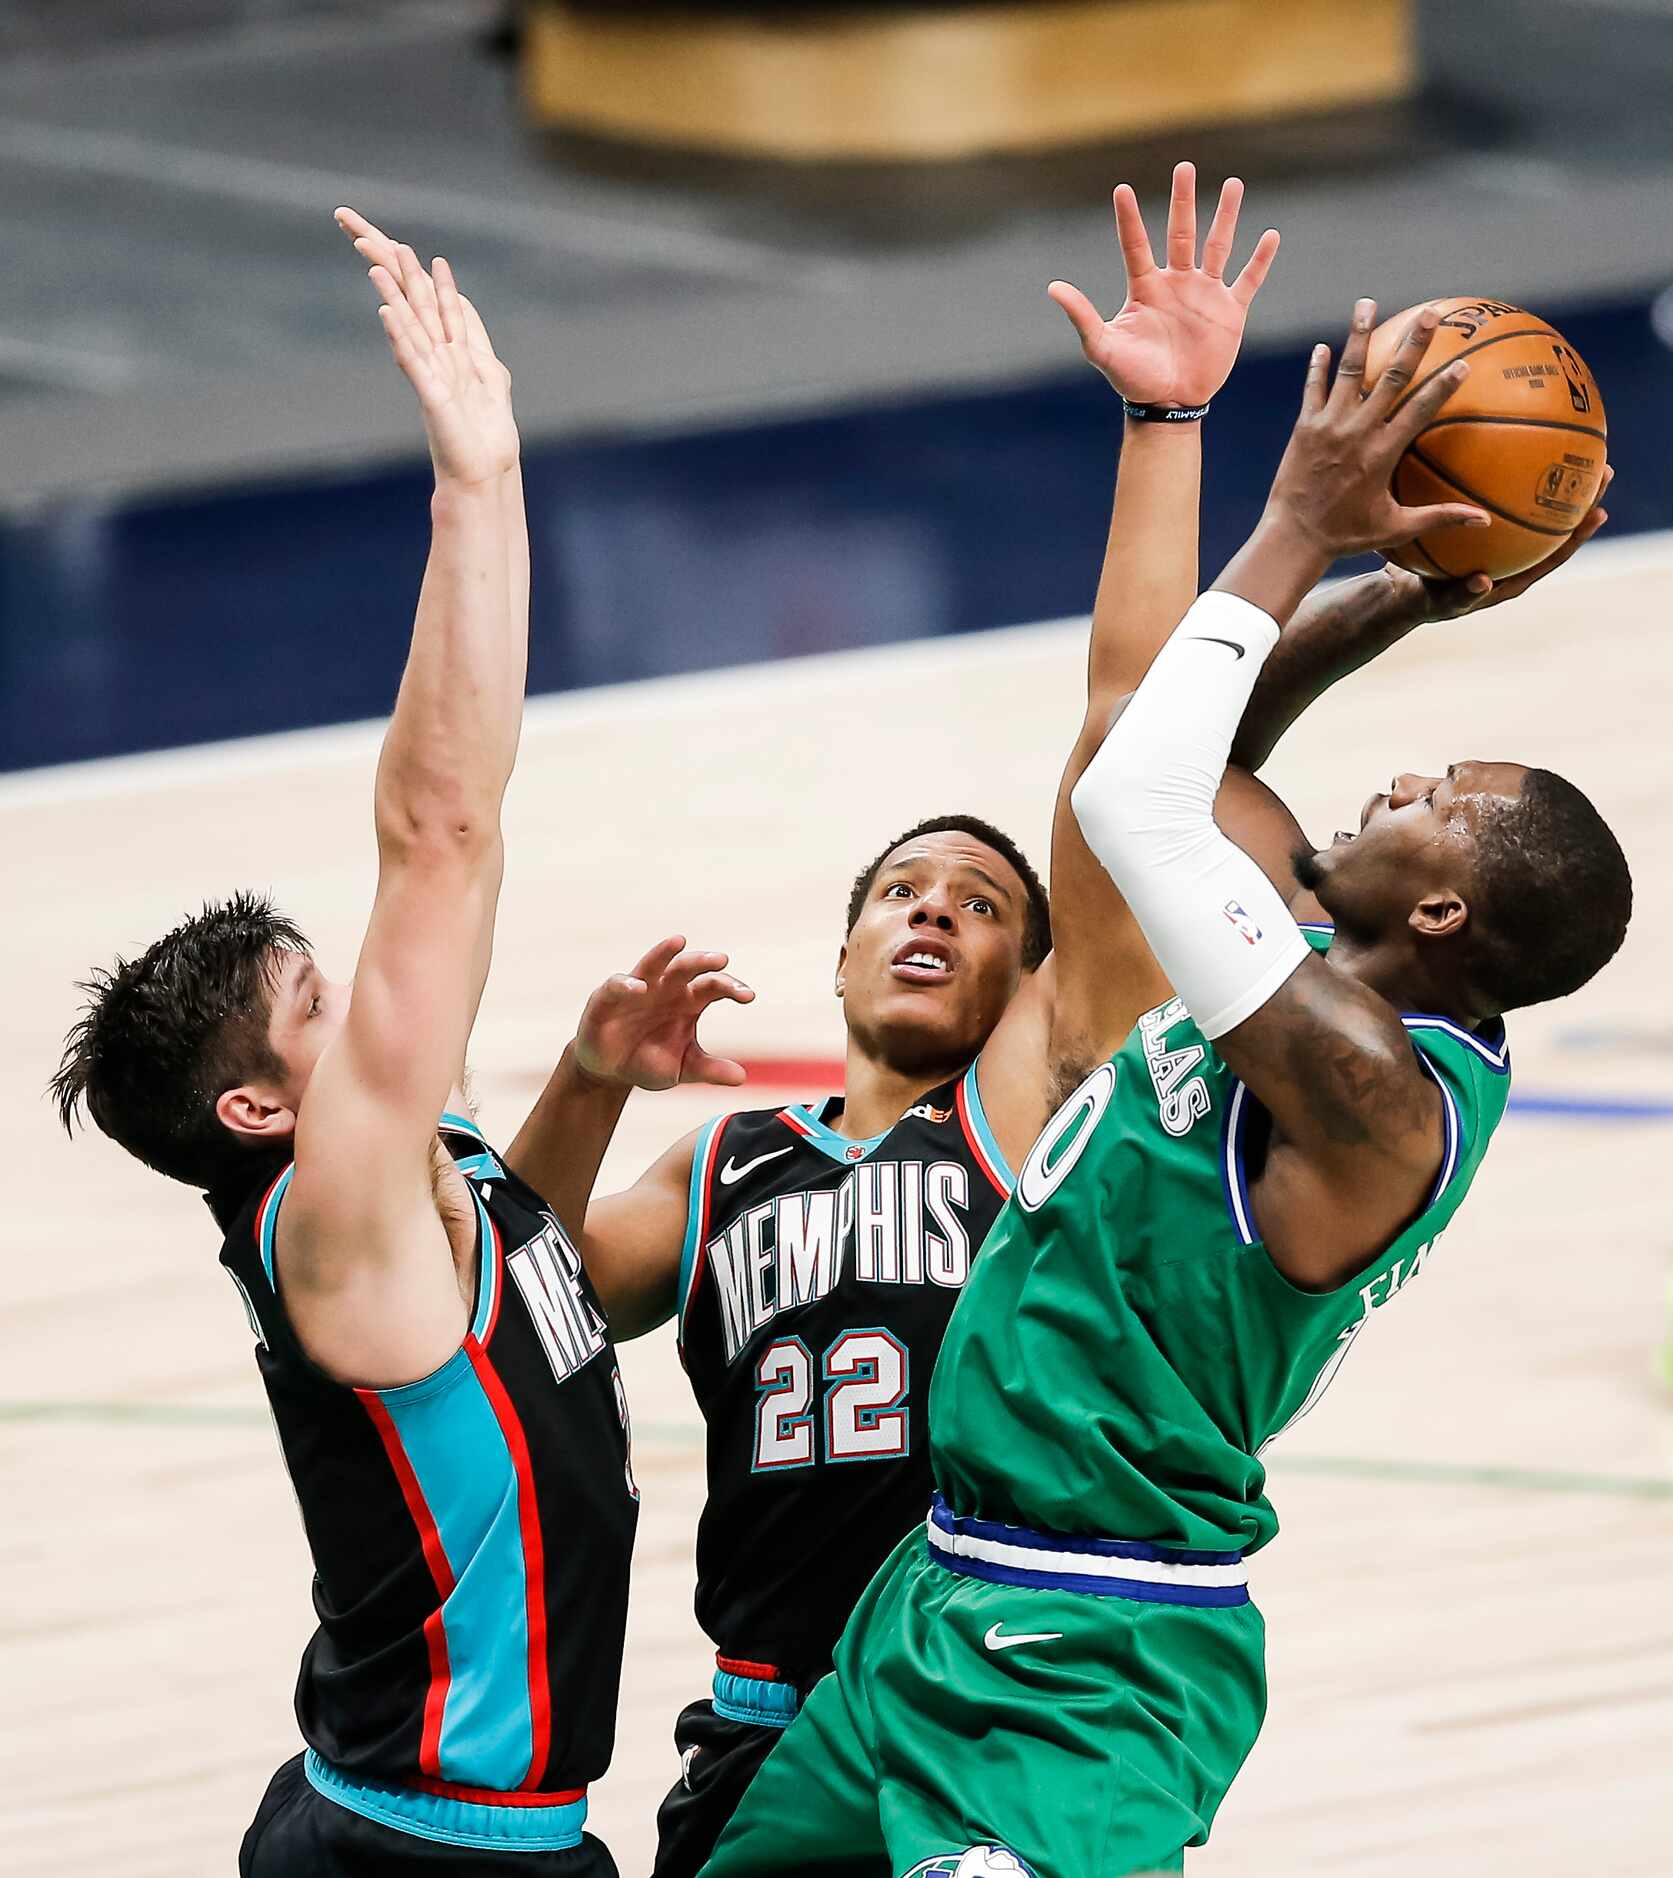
[1208,639]
[994,1641]
[732,1172]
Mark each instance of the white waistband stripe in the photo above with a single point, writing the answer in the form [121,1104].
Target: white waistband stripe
[1066,1563]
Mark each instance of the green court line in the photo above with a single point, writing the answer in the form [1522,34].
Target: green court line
[690,1434]
[1461,1474]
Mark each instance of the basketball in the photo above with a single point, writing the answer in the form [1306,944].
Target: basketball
[1523,437]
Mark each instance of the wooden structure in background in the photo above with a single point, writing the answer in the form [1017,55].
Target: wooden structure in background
[928,83]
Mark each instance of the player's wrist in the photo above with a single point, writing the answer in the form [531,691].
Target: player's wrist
[1163,414]
[589,1076]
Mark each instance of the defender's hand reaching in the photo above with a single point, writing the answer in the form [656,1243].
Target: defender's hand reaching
[1176,337]
[639,1029]
[440,343]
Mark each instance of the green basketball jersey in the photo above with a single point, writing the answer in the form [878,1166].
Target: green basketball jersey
[1125,1348]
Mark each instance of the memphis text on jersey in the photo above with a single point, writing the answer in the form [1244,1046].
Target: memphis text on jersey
[889,1223]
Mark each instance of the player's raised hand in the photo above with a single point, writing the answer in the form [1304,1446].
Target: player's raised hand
[640,1028]
[443,348]
[1177,334]
[1333,482]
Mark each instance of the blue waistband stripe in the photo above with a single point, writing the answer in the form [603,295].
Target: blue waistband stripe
[1109,1568]
[482,1827]
[755,1700]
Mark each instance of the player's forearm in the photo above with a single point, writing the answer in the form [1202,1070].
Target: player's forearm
[453,737]
[1149,575]
[1278,566]
[1335,631]
[562,1145]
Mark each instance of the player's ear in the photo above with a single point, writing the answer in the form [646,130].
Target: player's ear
[255,1113]
[842,968]
[1440,914]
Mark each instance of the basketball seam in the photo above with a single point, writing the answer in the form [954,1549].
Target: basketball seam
[1481,502]
[1481,345]
[1529,423]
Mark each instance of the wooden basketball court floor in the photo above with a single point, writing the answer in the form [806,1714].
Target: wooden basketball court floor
[1471,1645]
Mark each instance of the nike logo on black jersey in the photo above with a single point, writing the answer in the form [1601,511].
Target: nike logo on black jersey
[1208,639]
[731,1173]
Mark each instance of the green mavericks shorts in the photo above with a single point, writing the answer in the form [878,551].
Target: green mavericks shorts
[1005,1700]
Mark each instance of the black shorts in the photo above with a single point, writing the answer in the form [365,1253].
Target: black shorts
[298,1833]
[718,1760]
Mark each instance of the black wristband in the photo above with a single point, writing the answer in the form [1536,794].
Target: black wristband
[1164,413]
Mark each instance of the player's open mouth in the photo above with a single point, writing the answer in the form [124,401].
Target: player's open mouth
[1341,835]
[922,962]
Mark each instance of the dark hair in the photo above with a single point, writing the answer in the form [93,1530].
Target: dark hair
[161,1037]
[1036,933]
[1555,894]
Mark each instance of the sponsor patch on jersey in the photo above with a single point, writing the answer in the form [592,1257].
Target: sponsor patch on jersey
[981,1861]
[1241,921]
[928,1114]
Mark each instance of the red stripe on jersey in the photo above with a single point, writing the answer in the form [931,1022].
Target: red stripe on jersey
[976,1147]
[534,1559]
[755,1672]
[441,1574]
[794,1122]
[492,1796]
[262,1206]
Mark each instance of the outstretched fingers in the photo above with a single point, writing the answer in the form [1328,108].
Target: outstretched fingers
[1403,367]
[1350,373]
[1424,405]
[1130,232]
[1222,231]
[1255,269]
[1083,315]
[1410,523]
[447,304]
[1316,388]
[1182,218]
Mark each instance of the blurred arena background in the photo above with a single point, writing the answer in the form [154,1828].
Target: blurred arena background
[818,486]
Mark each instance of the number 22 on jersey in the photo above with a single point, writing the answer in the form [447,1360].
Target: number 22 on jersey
[865,1379]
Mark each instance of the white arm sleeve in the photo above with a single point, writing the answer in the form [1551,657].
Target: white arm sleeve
[1218,927]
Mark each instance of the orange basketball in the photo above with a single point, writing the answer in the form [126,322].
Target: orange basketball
[1523,438]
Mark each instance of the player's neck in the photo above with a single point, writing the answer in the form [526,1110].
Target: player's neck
[1393,973]
[876,1095]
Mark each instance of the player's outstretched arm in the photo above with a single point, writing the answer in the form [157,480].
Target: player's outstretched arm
[1169,348]
[1357,1124]
[366,1263]
[638,1031]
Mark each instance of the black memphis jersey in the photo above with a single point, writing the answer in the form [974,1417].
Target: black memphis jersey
[818,1278]
[471,1532]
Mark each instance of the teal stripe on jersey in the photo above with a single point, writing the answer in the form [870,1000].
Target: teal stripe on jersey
[979,1121]
[468,1479]
[702,1154]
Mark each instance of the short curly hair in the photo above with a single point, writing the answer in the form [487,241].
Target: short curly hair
[161,1037]
[1555,895]
[1036,935]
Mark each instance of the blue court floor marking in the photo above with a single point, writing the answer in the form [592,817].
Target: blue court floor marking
[1587,1108]
[690,1435]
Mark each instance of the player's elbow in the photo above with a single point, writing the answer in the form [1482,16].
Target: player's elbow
[437,825]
